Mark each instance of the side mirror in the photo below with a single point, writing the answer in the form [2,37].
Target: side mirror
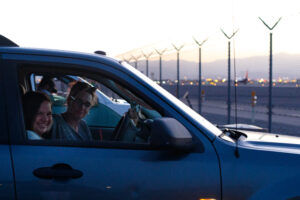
[169,133]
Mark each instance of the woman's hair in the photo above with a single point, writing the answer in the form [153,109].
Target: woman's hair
[82,86]
[31,104]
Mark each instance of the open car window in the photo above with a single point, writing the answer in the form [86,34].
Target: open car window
[118,114]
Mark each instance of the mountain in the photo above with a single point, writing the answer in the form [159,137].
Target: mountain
[284,65]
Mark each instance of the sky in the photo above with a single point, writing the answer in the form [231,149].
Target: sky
[128,28]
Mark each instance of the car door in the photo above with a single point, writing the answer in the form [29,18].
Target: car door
[106,170]
[7,187]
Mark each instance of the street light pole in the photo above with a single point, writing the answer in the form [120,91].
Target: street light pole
[178,77]
[160,53]
[200,74]
[147,61]
[229,79]
[270,72]
[136,60]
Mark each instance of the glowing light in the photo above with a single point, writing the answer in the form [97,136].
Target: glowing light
[208,199]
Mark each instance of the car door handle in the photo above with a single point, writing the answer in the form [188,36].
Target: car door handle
[57,171]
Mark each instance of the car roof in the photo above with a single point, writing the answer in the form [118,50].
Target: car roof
[8,46]
[57,53]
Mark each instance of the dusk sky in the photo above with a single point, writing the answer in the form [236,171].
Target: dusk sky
[125,28]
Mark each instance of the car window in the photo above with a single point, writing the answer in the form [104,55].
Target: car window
[116,113]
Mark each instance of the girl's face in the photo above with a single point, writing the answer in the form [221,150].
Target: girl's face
[43,119]
[80,105]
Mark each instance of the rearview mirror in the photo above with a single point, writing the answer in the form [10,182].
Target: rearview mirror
[169,133]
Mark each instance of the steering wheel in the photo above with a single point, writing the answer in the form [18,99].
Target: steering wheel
[126,129]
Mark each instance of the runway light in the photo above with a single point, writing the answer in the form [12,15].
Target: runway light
[208,199]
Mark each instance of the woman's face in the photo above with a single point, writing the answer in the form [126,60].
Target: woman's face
[43,119]
[80,105]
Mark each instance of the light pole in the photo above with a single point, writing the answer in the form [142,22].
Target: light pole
[135,60]
[178,50]
[126,60]
[229,79]
[270,72]
[160,53]
[147,61]
[200,74]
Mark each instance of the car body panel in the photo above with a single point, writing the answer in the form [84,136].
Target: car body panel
[7,189]
[262,170]
[117,173]
[261,166]
[112,173]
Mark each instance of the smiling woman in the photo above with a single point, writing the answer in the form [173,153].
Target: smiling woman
[38,115]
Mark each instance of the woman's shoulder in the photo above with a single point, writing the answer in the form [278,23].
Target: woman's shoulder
[57,118]
[31,135]
[82,123]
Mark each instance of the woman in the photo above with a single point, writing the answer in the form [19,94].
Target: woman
[70,125]
[37,114]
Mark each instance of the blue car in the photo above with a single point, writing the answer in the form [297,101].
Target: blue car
[174,153]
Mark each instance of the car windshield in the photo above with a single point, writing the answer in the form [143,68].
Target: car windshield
[201,122]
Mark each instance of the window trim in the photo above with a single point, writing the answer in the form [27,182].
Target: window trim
[4,126]
[28,68]
[81,66]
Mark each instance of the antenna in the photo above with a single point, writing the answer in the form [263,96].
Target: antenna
[270,71]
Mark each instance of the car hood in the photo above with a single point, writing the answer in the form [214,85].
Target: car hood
[270,141]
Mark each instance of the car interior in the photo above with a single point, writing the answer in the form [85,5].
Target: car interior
[106,123]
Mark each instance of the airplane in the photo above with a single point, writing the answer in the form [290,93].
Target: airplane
[243,80]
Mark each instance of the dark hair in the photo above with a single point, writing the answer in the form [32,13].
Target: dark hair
[31,104]
[47,81]
[82,86]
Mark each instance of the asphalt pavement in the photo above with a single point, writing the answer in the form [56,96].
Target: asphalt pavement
[284,120]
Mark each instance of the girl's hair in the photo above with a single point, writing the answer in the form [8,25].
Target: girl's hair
[82,86]
[31,104]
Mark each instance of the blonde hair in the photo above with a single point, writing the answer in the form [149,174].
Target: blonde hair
[83,87]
